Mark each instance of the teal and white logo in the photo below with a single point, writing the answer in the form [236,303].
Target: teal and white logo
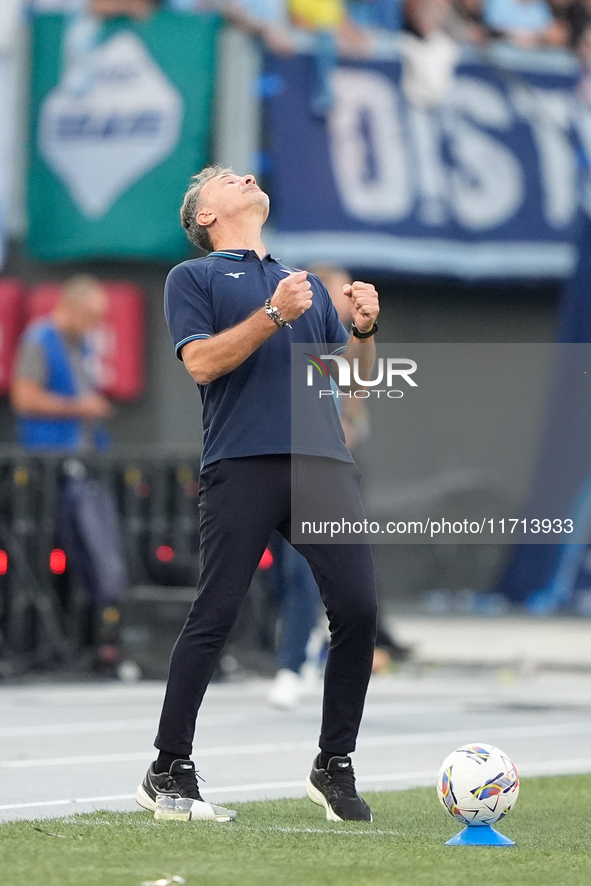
[103,139]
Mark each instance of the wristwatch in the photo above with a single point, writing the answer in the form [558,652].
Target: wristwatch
[275,315]
[358,334]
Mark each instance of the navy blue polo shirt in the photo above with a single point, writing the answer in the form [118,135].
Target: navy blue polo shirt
[248,411]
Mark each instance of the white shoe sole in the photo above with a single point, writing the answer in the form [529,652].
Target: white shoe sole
[144,800]
[318,797]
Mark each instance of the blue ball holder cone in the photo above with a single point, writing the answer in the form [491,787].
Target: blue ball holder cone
[479,835]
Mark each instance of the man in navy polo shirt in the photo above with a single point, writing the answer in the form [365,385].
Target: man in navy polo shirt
[233,317]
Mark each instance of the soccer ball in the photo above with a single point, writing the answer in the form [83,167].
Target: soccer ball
[478,784]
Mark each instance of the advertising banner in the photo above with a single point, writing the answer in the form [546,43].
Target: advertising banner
[484,185]
[120,121]
[11,320]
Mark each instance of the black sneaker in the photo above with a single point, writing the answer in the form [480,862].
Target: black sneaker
[334,788]
[179,781]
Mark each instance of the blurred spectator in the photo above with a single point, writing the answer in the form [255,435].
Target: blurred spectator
[355,419]
[465,22]
[331,17]
[581,39]
[526,23]
[425,17]
[429,54]
[325,18]
[59,409]
[298,593]
[299,604]
[559,33]
[385,15]
[571,17]
[334,32]
[353,411]
[53,391]
[266,19]
[320,15]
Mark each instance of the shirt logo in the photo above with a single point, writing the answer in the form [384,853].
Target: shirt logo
[239,274]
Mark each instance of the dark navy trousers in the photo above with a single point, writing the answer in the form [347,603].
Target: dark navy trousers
[242,500]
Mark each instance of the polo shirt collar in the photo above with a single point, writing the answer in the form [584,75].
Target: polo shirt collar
[234,254]
[237,254]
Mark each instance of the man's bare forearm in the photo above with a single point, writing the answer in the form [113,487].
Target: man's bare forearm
[210,358]
[364,351]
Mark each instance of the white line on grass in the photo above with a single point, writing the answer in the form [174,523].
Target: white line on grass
[370,832]
[410,779]
[44,803]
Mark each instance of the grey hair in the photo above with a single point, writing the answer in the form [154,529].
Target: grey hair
[197,234]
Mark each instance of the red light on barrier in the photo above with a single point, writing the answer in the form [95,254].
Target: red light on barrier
[3,562]
[266,560]
[57,561]
[164,553]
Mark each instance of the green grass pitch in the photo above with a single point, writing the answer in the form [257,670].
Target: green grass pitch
[289,843]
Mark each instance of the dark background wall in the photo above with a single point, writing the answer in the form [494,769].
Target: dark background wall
[166,419]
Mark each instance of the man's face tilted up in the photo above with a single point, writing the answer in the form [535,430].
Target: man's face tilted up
[230,198]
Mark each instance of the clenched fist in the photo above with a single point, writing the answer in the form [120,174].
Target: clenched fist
[365,305]
[293,296]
